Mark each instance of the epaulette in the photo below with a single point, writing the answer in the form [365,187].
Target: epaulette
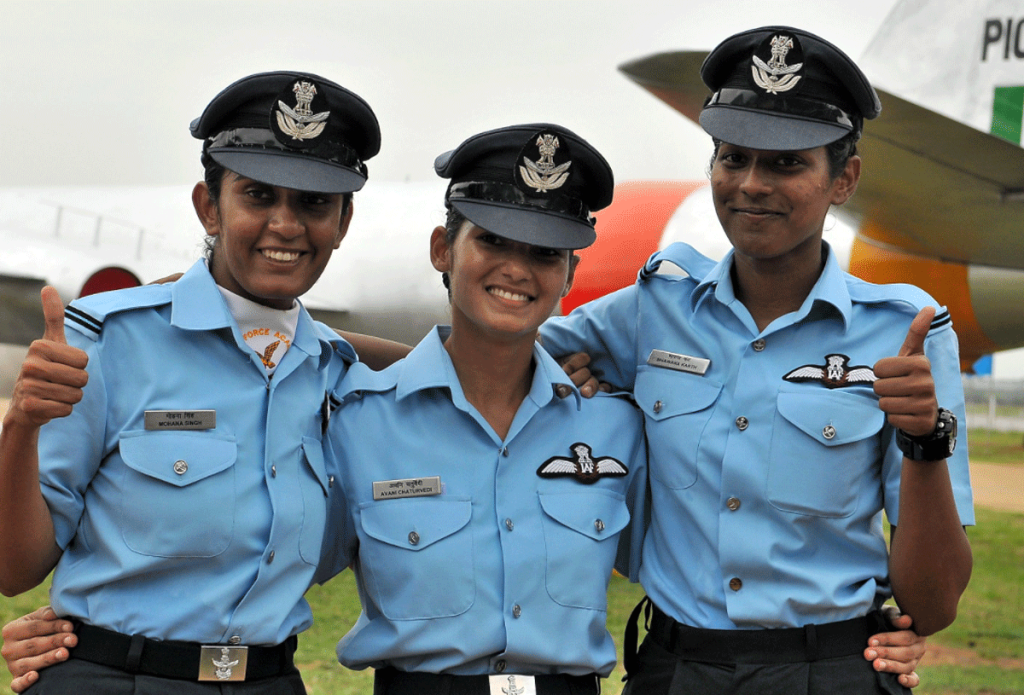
[914,297]
[87,314]
[690,260]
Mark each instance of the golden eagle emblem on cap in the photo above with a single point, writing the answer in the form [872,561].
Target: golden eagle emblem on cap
[775,76]
[582,466]
[544,175]
[301,123]
[834,374]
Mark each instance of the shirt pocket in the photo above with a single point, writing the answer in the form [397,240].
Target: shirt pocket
[581,530]
[315,487]
[178,496]
[416,557]
[825,449]
[677,407]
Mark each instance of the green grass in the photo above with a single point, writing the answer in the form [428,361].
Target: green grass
[987,638]
[991,446]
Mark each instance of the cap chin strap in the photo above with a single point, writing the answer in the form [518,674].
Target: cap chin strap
[327,150]
[494,192]
[783,105]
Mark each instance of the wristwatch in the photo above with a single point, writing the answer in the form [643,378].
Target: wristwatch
[930,447]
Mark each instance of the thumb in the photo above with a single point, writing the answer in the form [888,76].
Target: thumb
[53,314]
[914,342]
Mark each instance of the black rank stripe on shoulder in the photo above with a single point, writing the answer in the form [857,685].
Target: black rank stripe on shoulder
[582,466]
[940,320]
[83,319]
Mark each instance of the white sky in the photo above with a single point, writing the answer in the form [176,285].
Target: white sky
[102,91]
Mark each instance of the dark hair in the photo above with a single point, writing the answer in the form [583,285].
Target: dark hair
[838,152]
[452,224]
[213,176]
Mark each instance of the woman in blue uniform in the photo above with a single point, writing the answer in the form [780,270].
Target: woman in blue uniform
[162,451]
[480,511]
[787,404]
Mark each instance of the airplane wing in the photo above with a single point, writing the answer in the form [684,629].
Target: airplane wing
[932,185]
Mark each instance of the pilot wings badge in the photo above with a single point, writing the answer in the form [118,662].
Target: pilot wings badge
[775,76]
[301,123]
[582,466]
[544,175]
[834,374]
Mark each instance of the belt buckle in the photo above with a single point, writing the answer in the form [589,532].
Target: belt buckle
[512,685]
[220,663]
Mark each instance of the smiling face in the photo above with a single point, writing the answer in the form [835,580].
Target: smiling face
[501,288]
[772,204]
[273,243]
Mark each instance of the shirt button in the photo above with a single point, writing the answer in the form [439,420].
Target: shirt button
[500,666]
[235,639]
[658,406]
[270,558]
[742,423]
[516,611]
[599,525]
[180,467]
[330,481]
[509,525]
[735,584]
[733,503]
[273,471]
[759,345]
[504,452]
[829,432]
[414,538]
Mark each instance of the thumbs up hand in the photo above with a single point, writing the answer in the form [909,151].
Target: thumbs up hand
[53,374]
[905,386]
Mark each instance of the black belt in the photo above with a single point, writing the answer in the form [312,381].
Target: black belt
[181,660]
[758,646]
[391,681]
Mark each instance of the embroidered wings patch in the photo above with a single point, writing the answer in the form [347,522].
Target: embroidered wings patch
[582,466]
[835,374]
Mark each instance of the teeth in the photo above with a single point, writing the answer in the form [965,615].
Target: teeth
[284,256]
[508,295]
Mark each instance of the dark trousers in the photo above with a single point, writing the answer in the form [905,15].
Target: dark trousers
[826,659]
[389,681]
[78,677]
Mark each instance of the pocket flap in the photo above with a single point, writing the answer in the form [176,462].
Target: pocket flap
[598,514]
[177,458]
[314,451]
[415,524]
[847,417]
[664,393]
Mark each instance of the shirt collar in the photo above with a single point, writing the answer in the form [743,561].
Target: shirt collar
[430,366]
[197,305]
[830,294]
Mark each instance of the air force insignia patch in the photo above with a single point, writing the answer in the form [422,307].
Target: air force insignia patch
[584,467]
[834,374]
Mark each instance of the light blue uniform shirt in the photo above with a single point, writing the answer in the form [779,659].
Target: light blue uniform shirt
[505,570]
[196,535]
[766,493]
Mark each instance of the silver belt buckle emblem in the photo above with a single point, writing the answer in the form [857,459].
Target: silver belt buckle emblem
[219,663]
[512,685]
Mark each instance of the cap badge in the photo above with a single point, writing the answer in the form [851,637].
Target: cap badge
[301,123]
[835,374]
[544,175]
[582,466]
[775,76]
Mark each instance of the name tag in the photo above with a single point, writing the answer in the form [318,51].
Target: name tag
[509,685]
[407,487]
[680,363]
[181,419]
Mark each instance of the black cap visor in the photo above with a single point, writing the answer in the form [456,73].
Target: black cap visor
[762,130]
[529,226]
[296,171]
